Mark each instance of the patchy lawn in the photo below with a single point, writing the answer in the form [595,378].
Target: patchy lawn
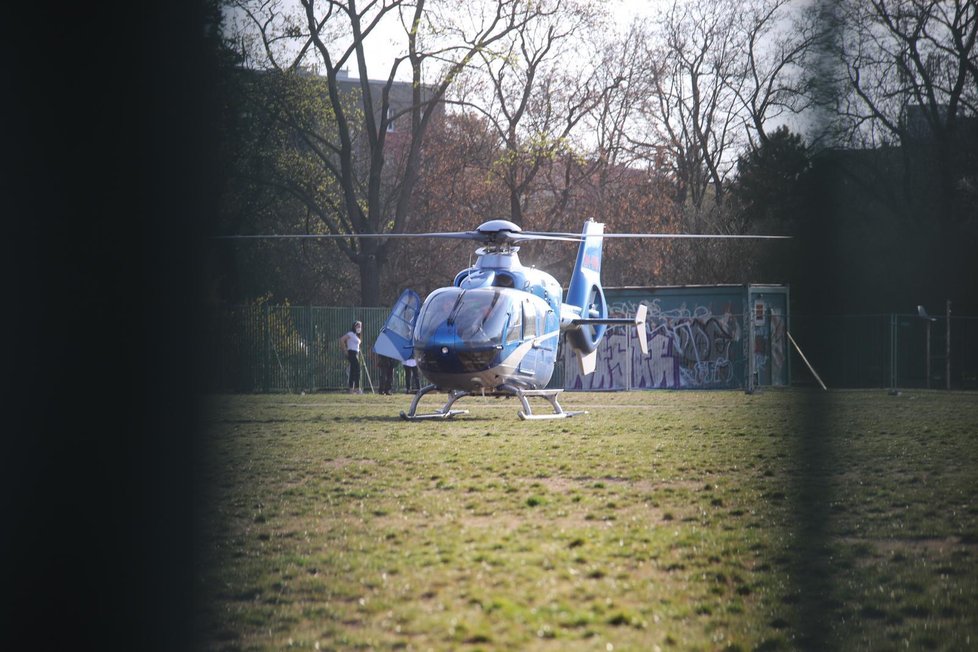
[672,520]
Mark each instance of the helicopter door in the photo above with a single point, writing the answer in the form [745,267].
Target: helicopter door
[528,364]
[396,337]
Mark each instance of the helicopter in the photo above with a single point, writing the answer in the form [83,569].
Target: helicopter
[496,330]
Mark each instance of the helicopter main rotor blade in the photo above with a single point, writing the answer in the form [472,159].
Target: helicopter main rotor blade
[577,237]
[461,235]
[499,237]
[478,236]
[698,236]
[559,237]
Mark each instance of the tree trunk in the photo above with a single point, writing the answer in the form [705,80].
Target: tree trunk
[369,281]
[515,208]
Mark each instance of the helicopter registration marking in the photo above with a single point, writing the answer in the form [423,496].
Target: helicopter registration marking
[592,258]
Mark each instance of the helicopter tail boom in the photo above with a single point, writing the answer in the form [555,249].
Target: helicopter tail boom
[638,321]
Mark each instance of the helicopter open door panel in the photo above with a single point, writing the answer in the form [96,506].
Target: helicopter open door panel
[396,338]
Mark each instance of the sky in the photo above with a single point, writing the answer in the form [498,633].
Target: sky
[388,40]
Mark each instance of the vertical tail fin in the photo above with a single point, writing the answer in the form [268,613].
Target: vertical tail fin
[585,296]
[584,315]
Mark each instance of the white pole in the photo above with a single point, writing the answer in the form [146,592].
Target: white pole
[810,367]
[893,352]
[363,365]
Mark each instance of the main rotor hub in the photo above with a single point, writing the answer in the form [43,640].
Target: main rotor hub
[494,226]
[499,233]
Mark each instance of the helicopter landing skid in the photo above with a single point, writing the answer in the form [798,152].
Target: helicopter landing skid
[444,413]
[550,394]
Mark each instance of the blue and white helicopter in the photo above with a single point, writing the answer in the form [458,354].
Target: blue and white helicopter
[496,330]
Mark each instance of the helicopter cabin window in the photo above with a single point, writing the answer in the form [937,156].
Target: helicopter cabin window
[515,331]
[529,319]
[503,281]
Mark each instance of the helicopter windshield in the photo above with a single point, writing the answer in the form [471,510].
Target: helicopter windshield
[479,315]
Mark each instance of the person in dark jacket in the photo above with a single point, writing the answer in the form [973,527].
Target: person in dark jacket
[387,366]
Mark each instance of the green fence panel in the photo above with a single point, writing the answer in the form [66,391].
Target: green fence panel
[286,348]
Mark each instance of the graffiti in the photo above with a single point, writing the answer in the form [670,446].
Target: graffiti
[693,348]
[610,367]
[688,348]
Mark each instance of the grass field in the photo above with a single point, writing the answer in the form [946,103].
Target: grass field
[673,520]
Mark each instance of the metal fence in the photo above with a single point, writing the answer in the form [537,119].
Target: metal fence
[291,349]
[285,348]
[887,351]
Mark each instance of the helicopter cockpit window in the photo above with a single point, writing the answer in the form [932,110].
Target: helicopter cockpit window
[479,315]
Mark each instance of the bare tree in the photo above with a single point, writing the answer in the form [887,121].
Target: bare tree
[780,40]
[604,176]
[455,192]
[534,93]
[695,76]
[442,39]
[721,74]
[600,144]
[910,68]
[907,56]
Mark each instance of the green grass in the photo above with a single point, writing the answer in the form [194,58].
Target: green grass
[672,520]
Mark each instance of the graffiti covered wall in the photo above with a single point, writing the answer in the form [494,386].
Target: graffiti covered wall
[698,339]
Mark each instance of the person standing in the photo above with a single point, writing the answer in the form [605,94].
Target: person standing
[350,342]
[386,373]
[411,380]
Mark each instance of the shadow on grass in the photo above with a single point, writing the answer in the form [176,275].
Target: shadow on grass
[814,578]
[468,418]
